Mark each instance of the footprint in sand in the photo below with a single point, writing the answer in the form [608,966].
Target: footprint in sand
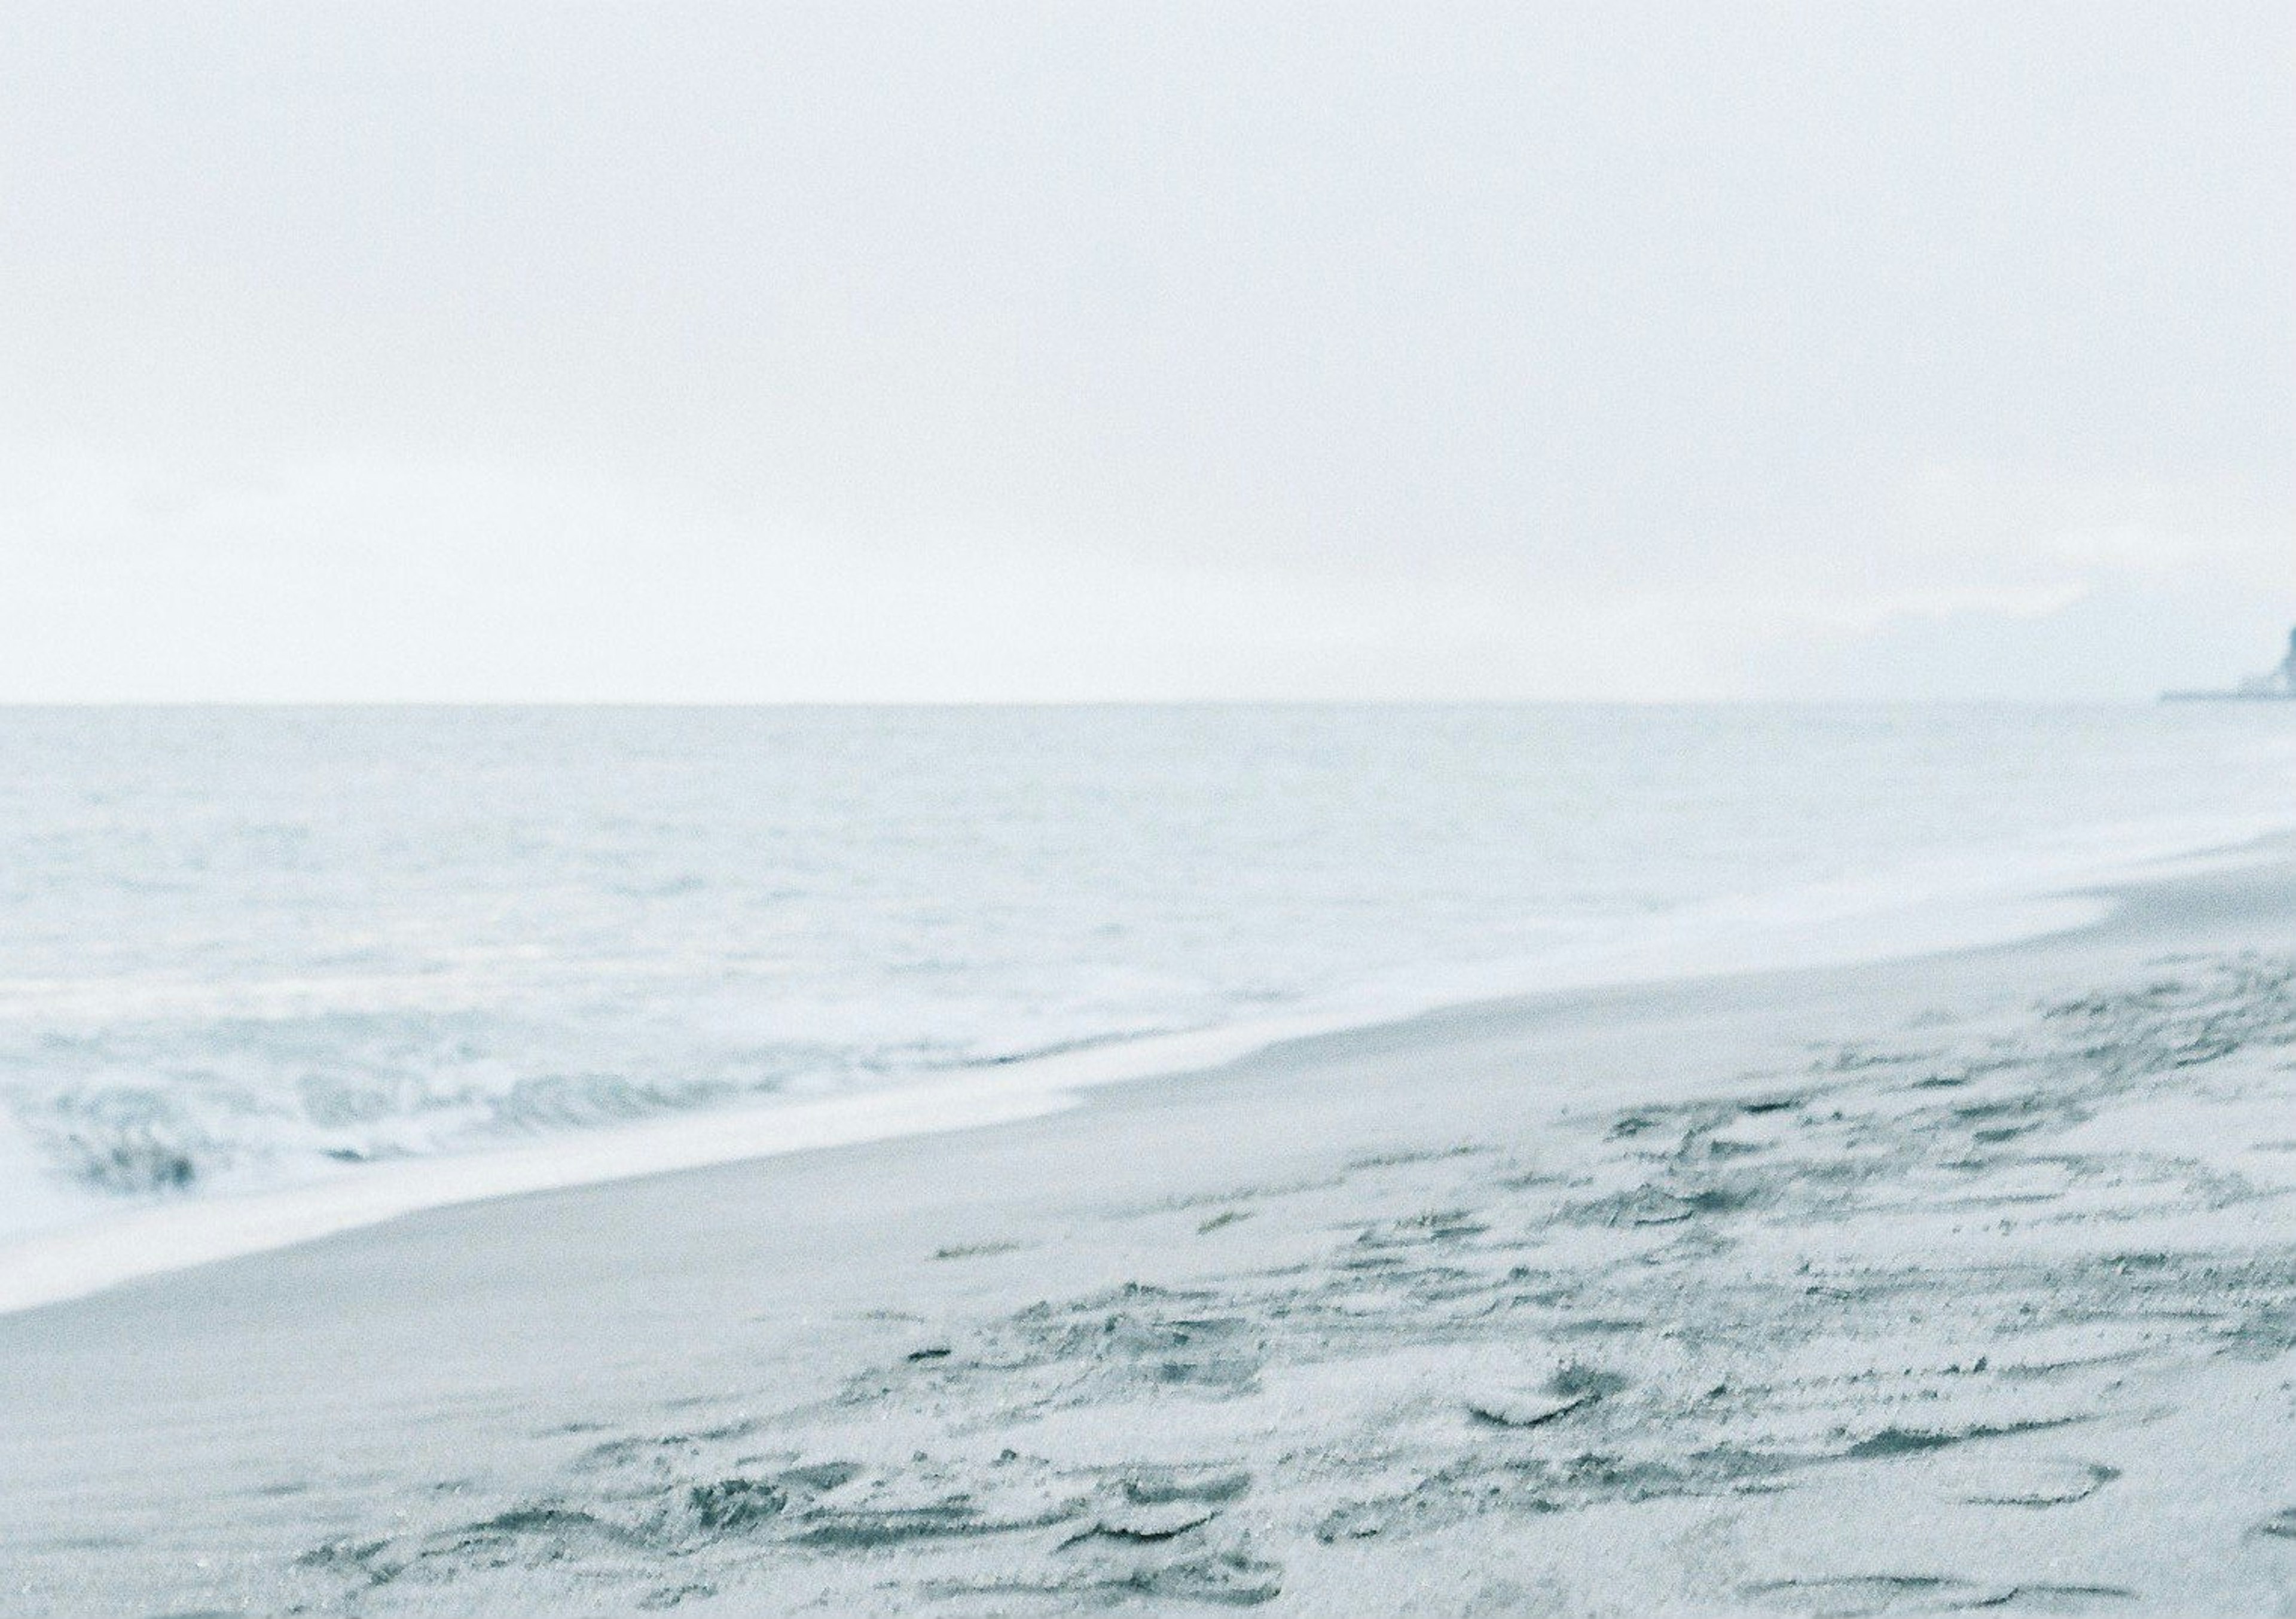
[2047,1482]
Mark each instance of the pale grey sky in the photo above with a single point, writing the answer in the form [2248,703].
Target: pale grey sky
[941,351]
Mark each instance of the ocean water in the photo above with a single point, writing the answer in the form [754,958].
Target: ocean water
[242,949]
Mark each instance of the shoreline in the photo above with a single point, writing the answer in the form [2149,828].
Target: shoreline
[79,1259]
[1965,1280]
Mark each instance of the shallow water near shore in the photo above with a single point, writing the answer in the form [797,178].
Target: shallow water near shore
[247,950]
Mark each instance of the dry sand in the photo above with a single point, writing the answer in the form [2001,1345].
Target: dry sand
[1962,1283]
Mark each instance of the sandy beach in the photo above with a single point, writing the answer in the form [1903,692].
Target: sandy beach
[1966,1282]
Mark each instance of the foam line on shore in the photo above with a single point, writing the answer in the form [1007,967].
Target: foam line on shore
[77,1260]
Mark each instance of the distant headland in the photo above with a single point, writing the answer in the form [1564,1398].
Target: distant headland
[2278,686]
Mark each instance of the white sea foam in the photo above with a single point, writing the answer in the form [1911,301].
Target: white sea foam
[269,975]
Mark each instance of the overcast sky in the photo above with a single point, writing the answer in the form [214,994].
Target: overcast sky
[954,352]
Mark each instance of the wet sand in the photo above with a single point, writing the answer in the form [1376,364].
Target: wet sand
[1945,1285]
